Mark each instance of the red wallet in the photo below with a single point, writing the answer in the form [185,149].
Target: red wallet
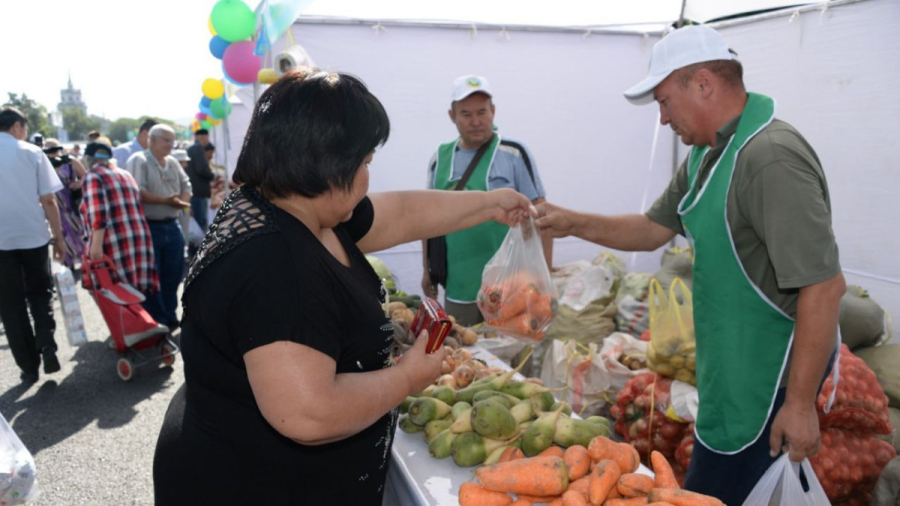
[434,319]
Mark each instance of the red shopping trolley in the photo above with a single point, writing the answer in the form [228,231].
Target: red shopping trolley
[135,335]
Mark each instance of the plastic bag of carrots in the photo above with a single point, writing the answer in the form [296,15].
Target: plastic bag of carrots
[517,296]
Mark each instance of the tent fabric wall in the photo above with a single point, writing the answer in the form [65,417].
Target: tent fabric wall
[560,93]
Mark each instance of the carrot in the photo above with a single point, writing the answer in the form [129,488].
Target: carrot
[660,503]
[682,497]
[552,451]
[665,477]
[634,485]
[573,498]
[544,308]
[521,502]
[577,460]
[473,494]
[518,301]
[614,494]
[582,486]
[546,476]
[603,479]
[511,453]
[627,457]
[633,501]
[601,448]
[537,499]
[555,502]
[522,324]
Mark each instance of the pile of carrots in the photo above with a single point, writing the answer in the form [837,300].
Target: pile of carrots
[603,474]
[518,306]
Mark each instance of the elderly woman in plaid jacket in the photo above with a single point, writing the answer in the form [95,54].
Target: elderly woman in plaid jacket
[114,220]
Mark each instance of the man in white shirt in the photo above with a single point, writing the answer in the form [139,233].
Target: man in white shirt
[123,153]
[28,186]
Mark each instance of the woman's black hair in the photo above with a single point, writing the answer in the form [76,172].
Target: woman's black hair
[310,133]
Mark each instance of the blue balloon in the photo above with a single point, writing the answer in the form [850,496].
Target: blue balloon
[204,104]
[217,46]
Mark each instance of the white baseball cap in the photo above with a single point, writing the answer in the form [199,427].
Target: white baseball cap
[682,47]
[464,86]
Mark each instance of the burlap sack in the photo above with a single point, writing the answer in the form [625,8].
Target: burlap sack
[887,490]
[885,363]
[862,319]
[676,263]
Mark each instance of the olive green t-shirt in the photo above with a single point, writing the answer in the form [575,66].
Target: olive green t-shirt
[778,209]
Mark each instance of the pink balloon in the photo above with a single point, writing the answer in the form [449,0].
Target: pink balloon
[240,63]
[200,116]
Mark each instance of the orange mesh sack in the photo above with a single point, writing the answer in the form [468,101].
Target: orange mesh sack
[859,403]
[517,297]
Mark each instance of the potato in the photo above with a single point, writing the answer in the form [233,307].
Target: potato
[685,376]
[394,306]
[677,361]
[469,337]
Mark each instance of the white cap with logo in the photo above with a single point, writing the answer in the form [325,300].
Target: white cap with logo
[464,86]
[682,47]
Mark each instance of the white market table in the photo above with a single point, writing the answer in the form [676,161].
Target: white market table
[415,478]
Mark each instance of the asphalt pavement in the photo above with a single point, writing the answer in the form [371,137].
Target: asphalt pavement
[92,435]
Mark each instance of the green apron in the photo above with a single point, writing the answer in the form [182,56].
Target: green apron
[468,251]
[743,339]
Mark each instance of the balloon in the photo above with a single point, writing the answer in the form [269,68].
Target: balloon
[195,125]
[212,88]
[214,121]
[204,105]
[200,116]
[240,63]
[209,25]
[267,76]
[220,107]
[217,46]
[206,124]
[233,20]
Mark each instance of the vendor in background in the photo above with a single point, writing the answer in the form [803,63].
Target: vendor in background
[504,163]
[753,201]
[71,173]
[290,394]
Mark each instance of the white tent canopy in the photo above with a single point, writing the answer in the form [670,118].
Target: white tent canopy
[559,91]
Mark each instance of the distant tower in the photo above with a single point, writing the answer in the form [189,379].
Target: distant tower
[71,99]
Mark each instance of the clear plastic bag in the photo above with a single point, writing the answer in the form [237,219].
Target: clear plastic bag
[672,350]
[517,297]
[781,486]
[17,472]
[68,300]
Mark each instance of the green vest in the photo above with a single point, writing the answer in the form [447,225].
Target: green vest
[468,251]
[743,339]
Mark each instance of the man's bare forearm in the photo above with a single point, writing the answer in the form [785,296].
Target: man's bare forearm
[627,232]
[814,338]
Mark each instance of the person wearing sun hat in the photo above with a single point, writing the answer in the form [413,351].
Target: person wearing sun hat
[504,163]
[753,202]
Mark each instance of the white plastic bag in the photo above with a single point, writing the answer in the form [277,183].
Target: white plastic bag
[616,346]
[780,486]
[517,297]
[17,472]
[68,299]
[581,370]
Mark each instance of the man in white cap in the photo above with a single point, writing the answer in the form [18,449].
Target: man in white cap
[478,160]
[752,200]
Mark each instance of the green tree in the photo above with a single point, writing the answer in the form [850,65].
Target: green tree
[118,129]
[36,113]
[77,124]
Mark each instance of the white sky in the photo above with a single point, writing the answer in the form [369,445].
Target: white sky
[128,57]
[136,57]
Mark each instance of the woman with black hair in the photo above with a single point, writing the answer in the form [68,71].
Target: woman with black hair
[290,390]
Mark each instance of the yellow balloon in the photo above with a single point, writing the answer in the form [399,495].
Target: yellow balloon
[212,29]
[267,76]
[213,88]
[213,121]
